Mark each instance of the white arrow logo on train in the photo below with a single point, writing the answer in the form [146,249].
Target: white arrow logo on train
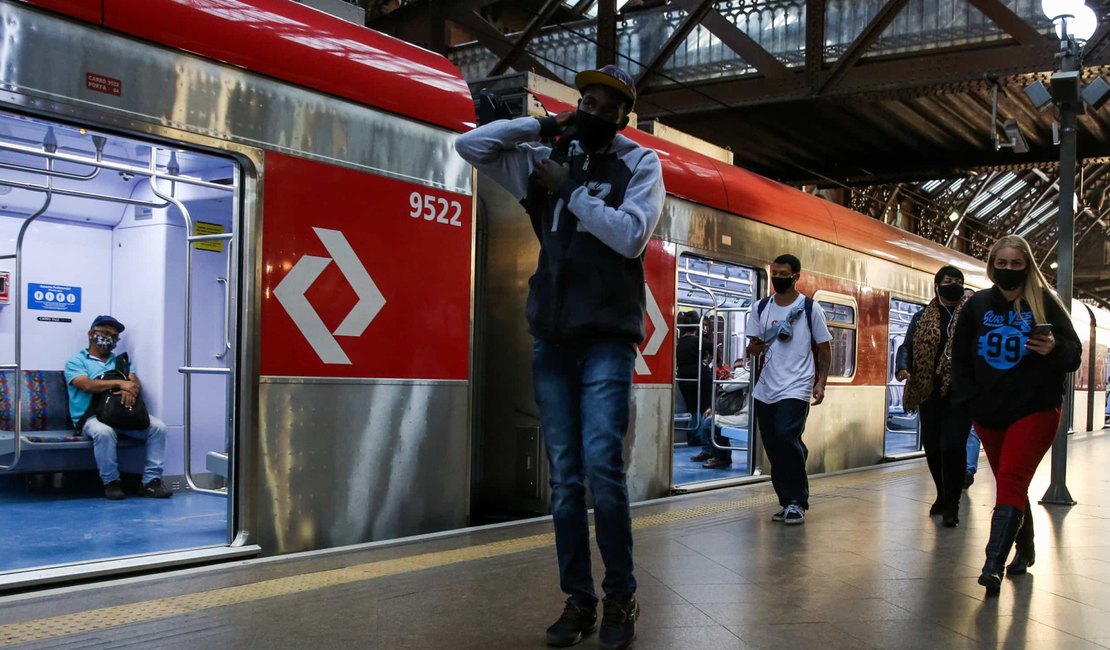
[655,315]
[290,292]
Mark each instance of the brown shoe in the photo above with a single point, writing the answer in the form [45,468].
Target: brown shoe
[705,455]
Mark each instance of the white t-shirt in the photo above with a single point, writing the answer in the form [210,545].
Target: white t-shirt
[787,365]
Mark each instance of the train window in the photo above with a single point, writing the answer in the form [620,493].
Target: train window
[840,314]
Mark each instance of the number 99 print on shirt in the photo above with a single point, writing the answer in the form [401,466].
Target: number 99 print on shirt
[1003,345]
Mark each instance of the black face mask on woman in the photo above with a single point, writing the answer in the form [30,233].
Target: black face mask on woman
[593,132]
[950,292]
[782,285]
[1010,279]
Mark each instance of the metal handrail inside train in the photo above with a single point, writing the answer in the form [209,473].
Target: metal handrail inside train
[717,307]
[188,370]
[17,366]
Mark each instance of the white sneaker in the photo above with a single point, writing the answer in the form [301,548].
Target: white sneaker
[794,515]
[779,516]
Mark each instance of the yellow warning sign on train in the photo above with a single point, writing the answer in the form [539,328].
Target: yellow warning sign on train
[204,228]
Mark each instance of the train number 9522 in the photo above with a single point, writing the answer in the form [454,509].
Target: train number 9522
[435,208]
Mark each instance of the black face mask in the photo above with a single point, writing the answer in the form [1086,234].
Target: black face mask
[593,131]
[782,285]
[1010,279]
[950,292]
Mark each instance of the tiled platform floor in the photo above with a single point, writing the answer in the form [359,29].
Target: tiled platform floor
[869,569]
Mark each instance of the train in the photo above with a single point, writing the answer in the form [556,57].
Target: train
[325,303]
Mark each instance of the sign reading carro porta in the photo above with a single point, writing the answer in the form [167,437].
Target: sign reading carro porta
[53,297]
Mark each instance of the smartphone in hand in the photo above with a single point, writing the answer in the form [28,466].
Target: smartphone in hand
[1042,329]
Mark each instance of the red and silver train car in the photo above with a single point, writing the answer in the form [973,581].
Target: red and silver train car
[330,325]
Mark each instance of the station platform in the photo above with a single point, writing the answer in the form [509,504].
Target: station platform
[869,569]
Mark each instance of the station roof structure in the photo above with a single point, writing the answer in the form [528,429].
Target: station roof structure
[881,105]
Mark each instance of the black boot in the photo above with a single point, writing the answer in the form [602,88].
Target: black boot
[1025,554]
[1004,527]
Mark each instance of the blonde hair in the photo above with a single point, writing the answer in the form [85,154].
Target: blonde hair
[1035,286]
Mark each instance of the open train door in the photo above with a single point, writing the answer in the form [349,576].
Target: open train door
[95,222]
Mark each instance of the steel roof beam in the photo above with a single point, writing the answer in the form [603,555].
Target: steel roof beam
[863,42]
[525,37]
[815,43]
[1013,24]
[695,12]
[492,39]
[739,42]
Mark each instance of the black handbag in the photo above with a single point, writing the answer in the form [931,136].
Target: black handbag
[732,402]
[108,406]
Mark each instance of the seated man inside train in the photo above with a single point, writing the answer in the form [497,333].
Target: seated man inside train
[84,372]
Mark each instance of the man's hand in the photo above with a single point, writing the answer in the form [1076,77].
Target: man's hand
[757,347]
[564,119]
[129,387]
[551,174]
[127,398]
[818,393]
[902,374]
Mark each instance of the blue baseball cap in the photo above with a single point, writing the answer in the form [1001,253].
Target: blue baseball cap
[610,76]
[109,321]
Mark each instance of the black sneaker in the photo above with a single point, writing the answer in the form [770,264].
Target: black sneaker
[156,489]
[618,621]
[113,490]
[577,621]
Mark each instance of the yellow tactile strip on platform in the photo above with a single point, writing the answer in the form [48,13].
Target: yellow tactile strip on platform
[150,610]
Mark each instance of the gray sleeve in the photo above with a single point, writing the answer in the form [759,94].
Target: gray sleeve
[498,150]
[628,228]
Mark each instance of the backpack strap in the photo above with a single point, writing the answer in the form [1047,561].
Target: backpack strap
[809,319]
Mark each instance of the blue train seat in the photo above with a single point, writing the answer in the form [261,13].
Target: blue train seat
[49,440]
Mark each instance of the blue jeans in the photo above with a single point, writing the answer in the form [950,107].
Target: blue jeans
[708,431]
[972,451]
[583,391]
[104,448]
[781,425]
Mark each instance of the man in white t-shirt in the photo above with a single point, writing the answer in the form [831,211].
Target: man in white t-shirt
[786,329]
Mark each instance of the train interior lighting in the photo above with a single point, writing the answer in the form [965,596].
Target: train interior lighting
[106,243]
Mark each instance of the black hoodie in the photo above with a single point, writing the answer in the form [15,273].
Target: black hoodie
[994,376]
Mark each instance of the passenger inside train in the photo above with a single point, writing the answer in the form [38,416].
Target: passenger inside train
[106,402]
[93,224]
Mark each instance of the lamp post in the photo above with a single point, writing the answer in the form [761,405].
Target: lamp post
[1075,22]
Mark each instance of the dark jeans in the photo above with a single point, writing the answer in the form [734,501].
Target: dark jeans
[944,430]
[780,427]
[707,429]
[583,391]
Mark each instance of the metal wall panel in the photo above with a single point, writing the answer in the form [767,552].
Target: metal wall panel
[346,461]
[186,92]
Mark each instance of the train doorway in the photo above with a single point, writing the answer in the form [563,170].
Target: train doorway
[712,439]
[94,223]
[903,435]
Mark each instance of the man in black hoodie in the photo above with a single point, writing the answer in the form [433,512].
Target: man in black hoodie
[594,200]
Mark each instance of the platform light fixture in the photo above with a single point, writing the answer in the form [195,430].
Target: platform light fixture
[1075,22]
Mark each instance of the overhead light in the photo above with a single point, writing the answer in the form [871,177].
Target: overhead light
[1014,138]
[1038,94]
[1053,266]
[1040,174]
[955,216]
[956,232]
[1096,93]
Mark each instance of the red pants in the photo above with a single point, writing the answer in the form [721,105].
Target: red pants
[1015,452]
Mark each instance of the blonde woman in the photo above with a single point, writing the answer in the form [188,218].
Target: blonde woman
[1013,346]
